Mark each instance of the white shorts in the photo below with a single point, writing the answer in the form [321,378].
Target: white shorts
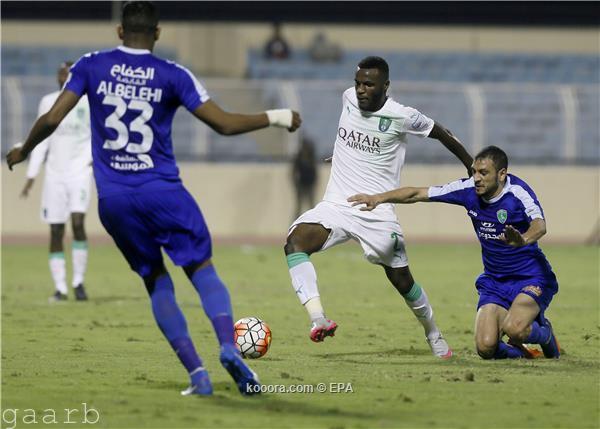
[61,197]
[378,233]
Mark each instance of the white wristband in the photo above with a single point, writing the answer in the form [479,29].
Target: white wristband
[280,117]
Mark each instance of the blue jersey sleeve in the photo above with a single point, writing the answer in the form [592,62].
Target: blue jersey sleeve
[191,93]
[77,80]
[529,201]
[452,193]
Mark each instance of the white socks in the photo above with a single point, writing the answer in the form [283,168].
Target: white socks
[58,271]
[58,266]
[304,281]
[80,255]
[418,302]
[315,310]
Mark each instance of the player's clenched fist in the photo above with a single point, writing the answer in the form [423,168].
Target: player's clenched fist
[296,121]
[284,118]
[14,156]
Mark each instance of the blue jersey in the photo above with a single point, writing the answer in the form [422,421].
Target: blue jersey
[133,96]
[516,205]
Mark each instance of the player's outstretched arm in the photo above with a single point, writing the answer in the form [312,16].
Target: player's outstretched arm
[236,123]
[402,196]
[512,237]
[441,133]
[43,127]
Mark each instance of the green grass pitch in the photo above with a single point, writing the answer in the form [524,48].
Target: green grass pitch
[108,353]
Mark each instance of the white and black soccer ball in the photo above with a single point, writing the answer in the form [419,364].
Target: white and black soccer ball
[252,337]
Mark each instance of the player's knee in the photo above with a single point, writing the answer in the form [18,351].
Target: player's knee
[150,279]
[294,244]
[486,352]
[57,231]
[79,232]
[486,346]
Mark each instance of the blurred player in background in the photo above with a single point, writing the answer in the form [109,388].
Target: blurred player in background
[517,284]
[143,205]
[368,154]
[305,174]
[68,156]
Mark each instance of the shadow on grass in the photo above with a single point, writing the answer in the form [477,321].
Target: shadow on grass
[384,353]
[116,298]
[226,395]
[272,402]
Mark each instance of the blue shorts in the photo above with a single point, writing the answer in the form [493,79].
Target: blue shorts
[143,223]
[503,291]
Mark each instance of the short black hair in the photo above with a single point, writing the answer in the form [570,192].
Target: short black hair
[497,155]
[139,17]
[375,63]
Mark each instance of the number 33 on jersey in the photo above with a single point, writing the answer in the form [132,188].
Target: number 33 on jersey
[134,96]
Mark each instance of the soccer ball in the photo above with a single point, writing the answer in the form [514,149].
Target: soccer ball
[252,337]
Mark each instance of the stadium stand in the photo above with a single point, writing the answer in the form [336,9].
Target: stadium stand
[42,60]
[541,108]
[438,67]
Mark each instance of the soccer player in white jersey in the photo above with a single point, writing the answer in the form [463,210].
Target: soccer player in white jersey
[66,193]
[518,283]
[368,156]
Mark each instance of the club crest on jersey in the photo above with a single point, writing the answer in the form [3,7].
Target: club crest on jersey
[384,124]
[502,215]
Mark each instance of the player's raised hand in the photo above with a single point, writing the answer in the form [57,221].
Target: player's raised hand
[14,156]
[370,201]
[512,237]
[296,121]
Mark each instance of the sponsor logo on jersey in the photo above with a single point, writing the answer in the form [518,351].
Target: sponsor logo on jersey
[502,215]
[487,227]
[384,124]
[129,75]
[536,290]
[473,213]
[130,163]
[359,140]
[488,236]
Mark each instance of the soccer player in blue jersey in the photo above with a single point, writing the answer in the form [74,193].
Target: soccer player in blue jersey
[517,284]
[143,205]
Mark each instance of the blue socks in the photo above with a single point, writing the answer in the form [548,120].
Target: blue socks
[217,305]
[171,322]
[216,302]
[506,351]
[539,334]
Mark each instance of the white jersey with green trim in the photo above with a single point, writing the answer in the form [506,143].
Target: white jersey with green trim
[370,146]
[67,151]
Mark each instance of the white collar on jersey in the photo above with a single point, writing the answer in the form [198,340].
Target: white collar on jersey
[133,51]
[501,194]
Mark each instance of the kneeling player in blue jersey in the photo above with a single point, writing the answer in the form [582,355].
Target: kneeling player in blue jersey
[517,284]
[133,96]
